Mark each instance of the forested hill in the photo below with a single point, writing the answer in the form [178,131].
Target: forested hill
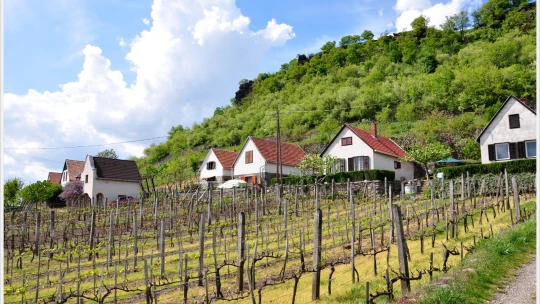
[433,84]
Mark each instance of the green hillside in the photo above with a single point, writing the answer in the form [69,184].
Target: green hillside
[426,84]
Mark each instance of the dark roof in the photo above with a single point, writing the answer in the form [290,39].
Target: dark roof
[55,177]
[74,168]
[226,158]
[493,118]
[117,169]
[290,154]
[378,144]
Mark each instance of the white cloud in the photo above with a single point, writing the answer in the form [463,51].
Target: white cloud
[145,21]
[121,42]
[380,12]
[186,64]
[437,13]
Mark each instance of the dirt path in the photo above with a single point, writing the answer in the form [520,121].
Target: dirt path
[521,290]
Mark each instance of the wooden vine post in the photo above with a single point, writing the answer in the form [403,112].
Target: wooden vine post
[201,248]
[241,250]
[516,199]
[402,250]
[317,238]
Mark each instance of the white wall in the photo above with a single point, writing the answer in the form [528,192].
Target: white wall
[500,132]
[287,170]
[219,171]
[386,162]
[358,148]
[240,166]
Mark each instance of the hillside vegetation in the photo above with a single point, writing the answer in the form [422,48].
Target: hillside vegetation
[428,84]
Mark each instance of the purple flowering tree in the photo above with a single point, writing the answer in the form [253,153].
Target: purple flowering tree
[72,191]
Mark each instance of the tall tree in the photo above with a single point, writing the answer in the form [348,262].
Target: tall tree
[427,154]
[11,189]
[420,26]
[108,153]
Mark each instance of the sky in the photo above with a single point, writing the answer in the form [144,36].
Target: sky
[96,72]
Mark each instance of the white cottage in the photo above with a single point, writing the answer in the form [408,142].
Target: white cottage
[360,150]
[217,166]
[510,134]
[257,161]
[107,178]
[71,171]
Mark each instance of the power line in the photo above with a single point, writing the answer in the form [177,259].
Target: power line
[45,159]
[85,146]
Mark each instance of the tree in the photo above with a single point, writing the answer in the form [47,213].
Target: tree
[366,36]
[313,165]
[39,192]
[427,154]
[11,189]
[348,40]
[462,22]
[420,26]
[72,191]
[327,47]
[108,153]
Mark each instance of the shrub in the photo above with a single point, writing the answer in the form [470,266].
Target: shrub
[516,166]
[341,177]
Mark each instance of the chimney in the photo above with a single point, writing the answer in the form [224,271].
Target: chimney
[523,101]
[374,129]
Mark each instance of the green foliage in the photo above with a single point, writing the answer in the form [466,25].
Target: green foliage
[427,154]
[471,150]
[513,167]
[108,153]
[42,191]
[11,190]
[414,84]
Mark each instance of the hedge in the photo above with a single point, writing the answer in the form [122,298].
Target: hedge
[515,166]
[341,177]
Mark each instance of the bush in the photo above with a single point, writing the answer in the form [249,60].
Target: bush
[341,177]
[516,166]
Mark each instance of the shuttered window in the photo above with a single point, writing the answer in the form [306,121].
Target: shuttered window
[211,165]
[249,157]
[350,164]
[521,149]
[513,121]
[397,164]
[491,152]
[502,151]
[346,141]
[342,169]
[513,150]
[531,148]
[358,163]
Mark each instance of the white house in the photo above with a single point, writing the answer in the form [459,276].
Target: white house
[71,169]
[510,134]
[107,178]
[257,160]
[217,166]
[360,150]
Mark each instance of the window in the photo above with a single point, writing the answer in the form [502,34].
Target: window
[249,157]
[346,141]
[397,164]
[359,163]
[502,151]
[86,178]
[513,121]
[530,148]
[211,165]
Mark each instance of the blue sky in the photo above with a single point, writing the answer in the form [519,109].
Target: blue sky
[83,72]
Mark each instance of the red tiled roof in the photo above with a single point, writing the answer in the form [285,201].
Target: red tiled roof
[74,167]
[226,158]
[380,144]
[55,177]
[290,154]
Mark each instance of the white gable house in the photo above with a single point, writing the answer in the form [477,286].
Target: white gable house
[360,150]
[257,161]
[217,166]
[107,178]
[510,134]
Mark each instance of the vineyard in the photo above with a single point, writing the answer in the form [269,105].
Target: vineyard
[289,244]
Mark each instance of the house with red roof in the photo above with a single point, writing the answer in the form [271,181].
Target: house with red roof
[358,150]
[256,162]
[72,169]
[217,166]
[54,177]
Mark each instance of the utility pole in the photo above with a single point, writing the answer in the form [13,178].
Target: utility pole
[279,168]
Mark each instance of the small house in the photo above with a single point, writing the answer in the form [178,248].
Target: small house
[256,162]
[71,169]
[217,166]
[510,134]
[357,150]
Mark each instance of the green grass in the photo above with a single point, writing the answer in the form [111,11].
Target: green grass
[492,261]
